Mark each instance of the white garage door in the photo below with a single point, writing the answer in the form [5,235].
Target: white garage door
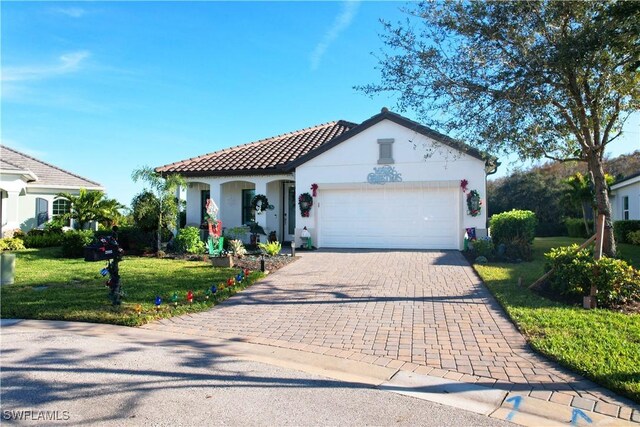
[386,217]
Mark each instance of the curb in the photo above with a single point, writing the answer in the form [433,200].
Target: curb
[514,407]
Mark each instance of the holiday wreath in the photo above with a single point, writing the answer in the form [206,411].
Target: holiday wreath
[260,203]
[305,201]
[473,203]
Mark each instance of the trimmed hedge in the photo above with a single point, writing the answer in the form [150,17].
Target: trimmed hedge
[73,243]
[621,229]
[575,227]
[45,240]
[515,230]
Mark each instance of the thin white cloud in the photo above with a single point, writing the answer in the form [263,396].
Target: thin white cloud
[72,12]
[341,23]
[67,63]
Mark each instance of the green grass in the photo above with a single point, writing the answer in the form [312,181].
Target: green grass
[49,287]
[602,345]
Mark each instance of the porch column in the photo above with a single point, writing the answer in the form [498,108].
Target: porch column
[261,188]
[11,219]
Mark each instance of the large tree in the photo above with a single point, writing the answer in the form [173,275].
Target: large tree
[164,190]
[553,79]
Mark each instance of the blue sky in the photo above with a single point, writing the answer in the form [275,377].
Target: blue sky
[103,88]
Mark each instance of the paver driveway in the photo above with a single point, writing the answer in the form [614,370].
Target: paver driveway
[419,310]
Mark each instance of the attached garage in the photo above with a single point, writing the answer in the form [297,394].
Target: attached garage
[398,215]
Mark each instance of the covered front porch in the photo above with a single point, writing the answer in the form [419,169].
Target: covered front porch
[233,196]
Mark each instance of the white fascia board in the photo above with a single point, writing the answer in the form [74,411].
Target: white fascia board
[25,174]
[625,183]
[62,187]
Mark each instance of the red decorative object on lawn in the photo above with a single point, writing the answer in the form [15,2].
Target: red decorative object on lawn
[190,297]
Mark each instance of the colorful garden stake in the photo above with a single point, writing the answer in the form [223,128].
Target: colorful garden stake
[158,302]
[214,289]
[138,308]
[174,299]
[231,281]
[239,278]
[246,272]
[190,297]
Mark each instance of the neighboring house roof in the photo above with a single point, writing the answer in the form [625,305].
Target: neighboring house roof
[628,180]
[45,175]
[284,152]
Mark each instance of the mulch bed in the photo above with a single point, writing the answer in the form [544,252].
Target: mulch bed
[271,264]
[252,262]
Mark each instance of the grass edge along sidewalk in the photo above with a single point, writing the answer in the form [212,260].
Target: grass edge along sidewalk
[48,287]
[602,345]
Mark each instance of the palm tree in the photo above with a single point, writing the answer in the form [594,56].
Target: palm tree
[90,206]
[581,194]
[164,188]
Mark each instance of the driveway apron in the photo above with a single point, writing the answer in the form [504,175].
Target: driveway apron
[424,311]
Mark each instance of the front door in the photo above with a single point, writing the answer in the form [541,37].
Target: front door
[289,211]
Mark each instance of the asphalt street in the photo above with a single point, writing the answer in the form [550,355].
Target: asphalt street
[62,378]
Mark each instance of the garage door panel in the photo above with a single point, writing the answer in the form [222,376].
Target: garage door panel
[389,218]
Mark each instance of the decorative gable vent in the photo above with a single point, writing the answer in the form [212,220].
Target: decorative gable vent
[386,151]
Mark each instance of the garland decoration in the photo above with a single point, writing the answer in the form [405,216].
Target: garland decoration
[474,203]
[314,190]
[305,201]
[260,203]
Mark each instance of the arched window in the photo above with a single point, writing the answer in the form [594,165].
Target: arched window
[61,207]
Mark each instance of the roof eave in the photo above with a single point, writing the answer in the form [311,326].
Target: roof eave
[490,161]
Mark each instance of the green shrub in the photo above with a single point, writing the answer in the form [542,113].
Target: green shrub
[483,247]
[11,244]
[134,240]
[271,248]
[237,248]
[575,271]
[74,241]
[45,240]
[570,276]
[617,282]
[35,232]
[516,230]
[634,237]
[621,229]
[575,227]
[189,241]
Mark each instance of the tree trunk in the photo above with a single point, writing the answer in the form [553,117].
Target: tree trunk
[159,235]
[602,203]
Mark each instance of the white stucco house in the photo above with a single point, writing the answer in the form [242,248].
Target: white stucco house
[28,189]
[625,198]
[387,182]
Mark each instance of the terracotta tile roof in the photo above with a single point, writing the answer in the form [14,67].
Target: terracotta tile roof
[271,155]
[46,174]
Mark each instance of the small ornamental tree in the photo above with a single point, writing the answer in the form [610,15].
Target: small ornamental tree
[164,189]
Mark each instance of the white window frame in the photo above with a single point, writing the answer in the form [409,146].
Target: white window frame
[625,207]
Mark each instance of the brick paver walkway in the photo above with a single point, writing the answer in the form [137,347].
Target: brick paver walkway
[421,311]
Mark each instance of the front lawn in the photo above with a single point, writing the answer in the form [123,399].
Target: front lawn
[602,345]
[48,287]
